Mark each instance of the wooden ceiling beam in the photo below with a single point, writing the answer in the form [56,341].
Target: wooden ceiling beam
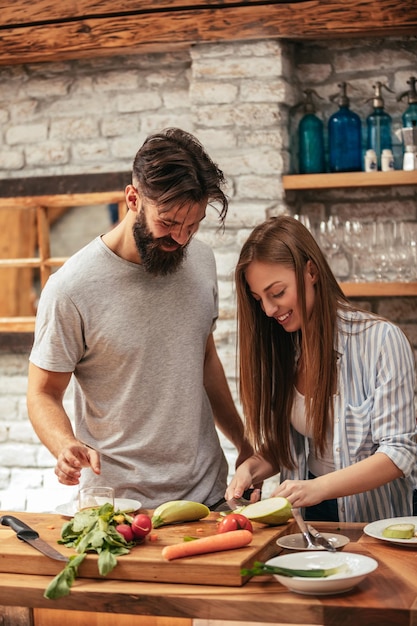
[15,12]
[46,31]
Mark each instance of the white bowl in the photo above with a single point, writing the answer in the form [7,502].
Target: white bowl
[358,566]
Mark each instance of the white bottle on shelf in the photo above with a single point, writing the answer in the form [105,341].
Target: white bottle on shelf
[370,161]
[410,158]
[387,160]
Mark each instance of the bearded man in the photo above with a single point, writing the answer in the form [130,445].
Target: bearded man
[130,319]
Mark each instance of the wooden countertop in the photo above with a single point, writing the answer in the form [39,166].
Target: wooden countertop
[387,596]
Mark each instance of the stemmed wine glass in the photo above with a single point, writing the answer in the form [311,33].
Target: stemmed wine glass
[354,242]
[383,251]
[330,240]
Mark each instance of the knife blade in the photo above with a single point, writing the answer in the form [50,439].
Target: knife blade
[224,505]
[26,533]
[322,541]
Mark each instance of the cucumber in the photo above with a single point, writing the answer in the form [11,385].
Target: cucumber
[273,511]
[176,511]
[399,531]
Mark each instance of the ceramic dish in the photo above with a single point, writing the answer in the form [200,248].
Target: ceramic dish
[358,566]
[374,529]
[123,504]
[296,542]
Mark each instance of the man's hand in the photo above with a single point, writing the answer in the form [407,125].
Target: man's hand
[241,481]
[72,459]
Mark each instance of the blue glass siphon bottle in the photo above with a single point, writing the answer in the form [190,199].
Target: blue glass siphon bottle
[378,124]
[345,136]
[310,138]
[409,117]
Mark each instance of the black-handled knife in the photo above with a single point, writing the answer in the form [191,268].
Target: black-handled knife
[26,533]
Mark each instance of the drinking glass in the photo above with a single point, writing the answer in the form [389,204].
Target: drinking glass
[95,497]
[354,243]
[330,240]
[383,251]
[407,249]
[305,219]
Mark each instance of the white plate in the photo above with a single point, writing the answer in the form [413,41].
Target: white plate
[296,541]
[358,565]
[374,529]
[123,504]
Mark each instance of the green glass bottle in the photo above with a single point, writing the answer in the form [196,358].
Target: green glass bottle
[409,117]
[378,124]
[310,138]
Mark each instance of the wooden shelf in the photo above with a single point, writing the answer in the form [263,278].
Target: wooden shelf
[379,290]
[297,182]
[17,324]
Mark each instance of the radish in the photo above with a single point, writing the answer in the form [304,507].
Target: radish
[141,525]
[126,531]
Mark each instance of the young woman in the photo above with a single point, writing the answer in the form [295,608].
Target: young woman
[327,389]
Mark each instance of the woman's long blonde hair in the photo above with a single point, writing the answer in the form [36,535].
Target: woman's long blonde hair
[267,353]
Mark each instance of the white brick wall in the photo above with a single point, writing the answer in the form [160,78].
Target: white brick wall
[238,98]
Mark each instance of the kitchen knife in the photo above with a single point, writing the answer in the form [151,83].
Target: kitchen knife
[320,540]
[26,533]
[234,503]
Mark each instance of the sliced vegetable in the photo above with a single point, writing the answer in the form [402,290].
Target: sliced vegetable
[234,521]
[214,543]
[272,511]
[399,531]
[260,569]
[178,511]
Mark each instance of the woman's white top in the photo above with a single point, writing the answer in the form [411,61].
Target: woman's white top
[317,464]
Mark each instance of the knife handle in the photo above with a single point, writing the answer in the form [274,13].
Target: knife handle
[22,530]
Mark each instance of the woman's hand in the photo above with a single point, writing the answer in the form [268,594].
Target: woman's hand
[301,493]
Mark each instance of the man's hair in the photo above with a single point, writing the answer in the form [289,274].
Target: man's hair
[173,169]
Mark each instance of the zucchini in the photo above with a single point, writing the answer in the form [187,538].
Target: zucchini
[273,511]
[399,531]
[176,511]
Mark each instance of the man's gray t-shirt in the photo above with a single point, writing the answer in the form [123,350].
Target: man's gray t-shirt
[136,345]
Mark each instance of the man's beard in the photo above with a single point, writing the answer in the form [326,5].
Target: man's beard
[155,260]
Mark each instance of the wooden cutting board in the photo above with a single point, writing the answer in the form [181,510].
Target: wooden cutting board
[144,562]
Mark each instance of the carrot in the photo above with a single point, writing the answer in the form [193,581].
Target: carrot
[214,543]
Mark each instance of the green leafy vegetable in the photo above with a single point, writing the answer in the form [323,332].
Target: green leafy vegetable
[90,530]
[61,584]
[260,569]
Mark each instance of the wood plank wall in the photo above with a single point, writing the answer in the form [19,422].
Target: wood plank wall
[46,30]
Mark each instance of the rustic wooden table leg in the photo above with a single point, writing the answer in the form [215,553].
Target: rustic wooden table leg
[16,616]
